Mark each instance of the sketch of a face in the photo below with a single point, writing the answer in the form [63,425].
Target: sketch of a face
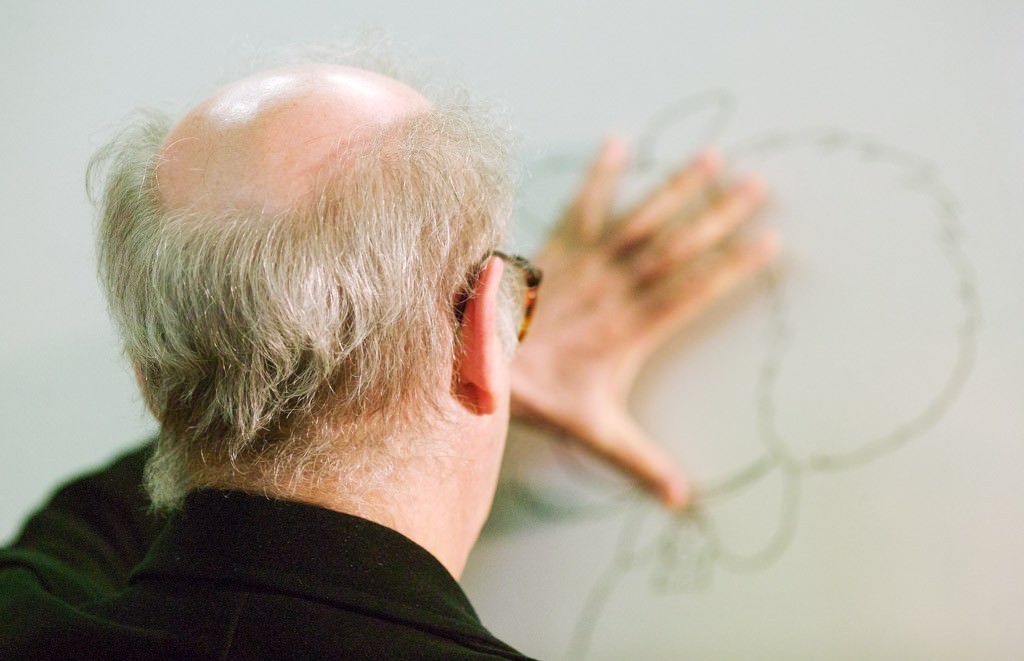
[854,346]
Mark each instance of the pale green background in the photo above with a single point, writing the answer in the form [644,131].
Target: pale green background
[918,555]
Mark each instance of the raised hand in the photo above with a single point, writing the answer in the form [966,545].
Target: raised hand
[615,287]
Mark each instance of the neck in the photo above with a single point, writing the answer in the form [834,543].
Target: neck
[437,499]
[436,504]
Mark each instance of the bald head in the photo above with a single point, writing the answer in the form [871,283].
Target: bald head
[282,264]
[259,143]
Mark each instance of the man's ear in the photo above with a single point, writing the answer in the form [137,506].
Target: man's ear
[478,373]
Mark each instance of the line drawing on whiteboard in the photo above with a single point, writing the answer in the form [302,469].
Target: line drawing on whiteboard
[681,551]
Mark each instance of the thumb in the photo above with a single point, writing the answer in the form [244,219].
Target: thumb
[623,442]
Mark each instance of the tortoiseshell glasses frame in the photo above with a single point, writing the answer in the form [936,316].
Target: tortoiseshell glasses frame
[532,277]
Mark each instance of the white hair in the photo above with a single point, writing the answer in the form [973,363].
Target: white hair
[279,349]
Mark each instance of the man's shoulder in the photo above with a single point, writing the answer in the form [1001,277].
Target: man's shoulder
[239,576]
[45,614]
[292,579]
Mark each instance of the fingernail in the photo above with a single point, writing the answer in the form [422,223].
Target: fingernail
[676,495]
[709,160]
[770,242]
[752,185]
[616,146]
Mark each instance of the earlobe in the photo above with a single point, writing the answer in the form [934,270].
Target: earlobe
[477,376]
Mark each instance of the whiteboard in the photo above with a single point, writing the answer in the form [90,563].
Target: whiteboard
[852,419]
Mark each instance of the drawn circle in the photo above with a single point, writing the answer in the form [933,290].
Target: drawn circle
[875,317]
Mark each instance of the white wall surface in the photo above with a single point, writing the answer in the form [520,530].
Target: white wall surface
[856,422]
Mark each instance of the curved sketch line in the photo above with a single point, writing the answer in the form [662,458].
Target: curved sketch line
[722,105]
[690,545]
[772,550]
[625,559]
[922,180]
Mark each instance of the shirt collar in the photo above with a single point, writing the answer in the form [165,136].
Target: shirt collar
[285,546]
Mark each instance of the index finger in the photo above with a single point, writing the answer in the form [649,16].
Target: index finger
[591,206]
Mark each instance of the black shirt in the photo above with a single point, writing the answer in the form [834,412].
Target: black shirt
[230,576]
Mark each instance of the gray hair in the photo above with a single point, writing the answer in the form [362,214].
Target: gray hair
[278,349]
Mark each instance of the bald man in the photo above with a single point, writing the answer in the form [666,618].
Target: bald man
[306,276]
